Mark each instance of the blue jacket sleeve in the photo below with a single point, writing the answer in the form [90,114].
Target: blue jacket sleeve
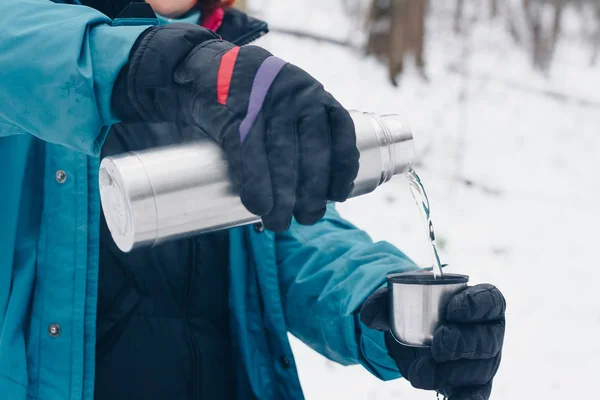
[58,64]
[326,272]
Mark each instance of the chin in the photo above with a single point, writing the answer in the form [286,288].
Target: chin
[172,8]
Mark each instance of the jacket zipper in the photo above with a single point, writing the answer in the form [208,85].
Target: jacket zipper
[196,383]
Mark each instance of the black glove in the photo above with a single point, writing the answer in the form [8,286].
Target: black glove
[290,145]
[465,352]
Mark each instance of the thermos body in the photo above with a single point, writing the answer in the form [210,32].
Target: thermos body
[171,192]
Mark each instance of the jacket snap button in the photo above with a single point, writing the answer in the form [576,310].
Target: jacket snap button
[285,362]
[61,176]
[54,330]
[259,227]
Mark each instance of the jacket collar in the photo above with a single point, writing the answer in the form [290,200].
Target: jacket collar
[231,24]
[239,28]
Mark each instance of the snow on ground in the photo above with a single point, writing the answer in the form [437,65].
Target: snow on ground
[526,223]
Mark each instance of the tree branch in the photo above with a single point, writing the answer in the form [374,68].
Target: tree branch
[311,36]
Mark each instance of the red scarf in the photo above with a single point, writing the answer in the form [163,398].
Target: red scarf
[212,20]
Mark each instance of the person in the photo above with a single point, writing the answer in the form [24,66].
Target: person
[208,316]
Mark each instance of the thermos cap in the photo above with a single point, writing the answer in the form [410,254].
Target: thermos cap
[125,198]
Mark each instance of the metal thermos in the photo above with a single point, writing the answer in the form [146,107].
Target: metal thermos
[418,304]
[152,196]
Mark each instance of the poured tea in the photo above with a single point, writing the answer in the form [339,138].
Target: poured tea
[420,196]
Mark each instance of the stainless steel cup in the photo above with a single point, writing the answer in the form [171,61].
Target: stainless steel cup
[160,194]
[418,304]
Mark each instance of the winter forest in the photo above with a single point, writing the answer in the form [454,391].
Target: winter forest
[503,98]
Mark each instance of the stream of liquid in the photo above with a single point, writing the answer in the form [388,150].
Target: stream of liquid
[420,196]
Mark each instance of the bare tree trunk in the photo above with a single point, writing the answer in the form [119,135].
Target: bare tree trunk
[419,32]
[532,12]
[378,43]
[395,28]
[534,25]
[543,39]
[399,38]
[494,8]
[516,24]
[458,14]
[559,6]
[596,38]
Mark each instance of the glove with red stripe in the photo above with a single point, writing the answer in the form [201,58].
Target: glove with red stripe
[291,147]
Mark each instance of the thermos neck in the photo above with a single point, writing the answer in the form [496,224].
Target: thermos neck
[386,149]
[397,146]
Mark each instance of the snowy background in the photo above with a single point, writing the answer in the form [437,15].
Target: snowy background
[510,159]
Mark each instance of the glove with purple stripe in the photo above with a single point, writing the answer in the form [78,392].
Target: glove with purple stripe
[465,352]
[290,146]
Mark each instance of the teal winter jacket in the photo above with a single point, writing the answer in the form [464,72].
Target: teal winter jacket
[58,63]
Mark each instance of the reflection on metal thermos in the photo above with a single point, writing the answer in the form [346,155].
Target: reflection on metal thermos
[165,193]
